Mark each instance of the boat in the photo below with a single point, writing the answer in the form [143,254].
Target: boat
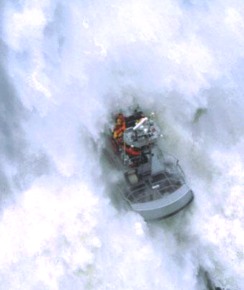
[153,182]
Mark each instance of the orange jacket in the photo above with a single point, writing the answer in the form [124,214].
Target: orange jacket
[119,130]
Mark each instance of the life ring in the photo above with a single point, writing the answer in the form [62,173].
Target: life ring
[132,151]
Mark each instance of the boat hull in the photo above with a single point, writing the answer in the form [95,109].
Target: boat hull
[166,206]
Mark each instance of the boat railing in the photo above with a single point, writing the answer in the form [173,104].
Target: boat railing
[154,188]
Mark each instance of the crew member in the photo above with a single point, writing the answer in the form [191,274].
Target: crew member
[119,127]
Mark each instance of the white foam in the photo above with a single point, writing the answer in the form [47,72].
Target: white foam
[74,64]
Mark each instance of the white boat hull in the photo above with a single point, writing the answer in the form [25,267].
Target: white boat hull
[166,206]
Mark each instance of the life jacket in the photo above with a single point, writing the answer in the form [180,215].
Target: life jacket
[118,134]
[119,129]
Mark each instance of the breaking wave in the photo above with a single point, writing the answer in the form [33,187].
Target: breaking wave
[66,68]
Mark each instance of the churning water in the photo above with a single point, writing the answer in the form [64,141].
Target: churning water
[66,67]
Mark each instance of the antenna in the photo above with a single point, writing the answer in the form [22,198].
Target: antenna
[143,120]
